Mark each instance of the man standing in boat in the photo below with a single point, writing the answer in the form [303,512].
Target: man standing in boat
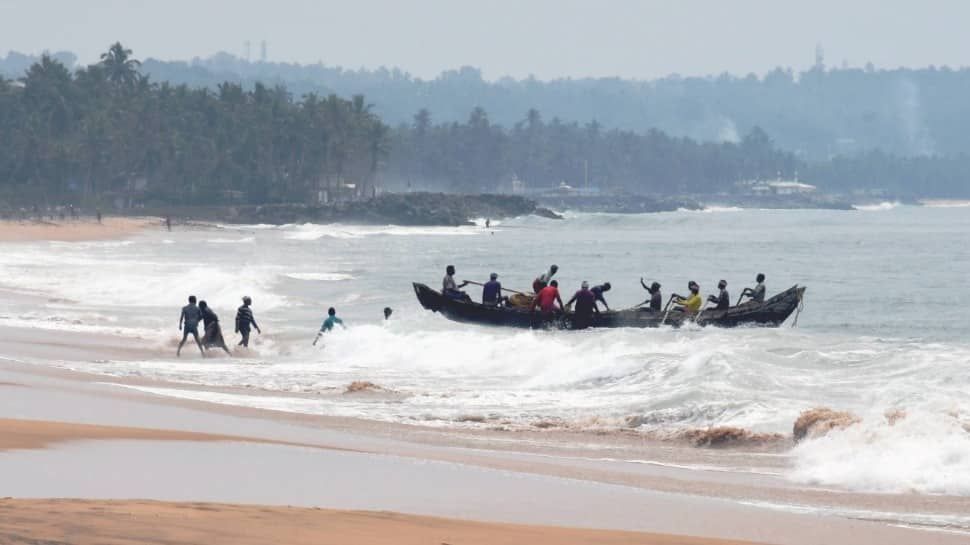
[757,294]
[492,291]
[543,279]
[585,300]
[547,298]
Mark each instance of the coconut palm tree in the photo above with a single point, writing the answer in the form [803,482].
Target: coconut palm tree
[121,68]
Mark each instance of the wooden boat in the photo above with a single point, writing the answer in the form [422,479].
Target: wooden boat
[772,313]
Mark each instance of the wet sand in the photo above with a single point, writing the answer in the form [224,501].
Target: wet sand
[85,229]
[144,522]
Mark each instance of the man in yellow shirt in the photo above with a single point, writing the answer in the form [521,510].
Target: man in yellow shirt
[692,303]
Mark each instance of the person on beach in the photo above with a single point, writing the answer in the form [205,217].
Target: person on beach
[722,299]
[189,323]
[543,279]
[585,300]
[244,319]
[387,313]
[598,292]
[691,304]
[329,324]
[168,222]
[547,298]
[757,293]
[213,331]
[449,288]
[656,299]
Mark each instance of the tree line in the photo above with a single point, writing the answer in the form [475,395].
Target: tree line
[106,131]
[109,132]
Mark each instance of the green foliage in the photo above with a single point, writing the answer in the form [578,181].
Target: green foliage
[106,131]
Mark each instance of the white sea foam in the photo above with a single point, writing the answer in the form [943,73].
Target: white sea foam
[878,207]
[926,452]
[320,276]
[310,231]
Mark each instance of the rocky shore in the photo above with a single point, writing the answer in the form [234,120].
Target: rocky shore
[415,209]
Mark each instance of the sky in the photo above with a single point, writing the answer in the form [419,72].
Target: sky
[547,39]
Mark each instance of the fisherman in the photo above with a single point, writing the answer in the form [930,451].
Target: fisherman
[189,323]
[656,299]
[722,299]
[691,304]
[492,291]
[244,318]
[329,323]
[449,288]
[213,331]
[598,292]
[543,279]
[547,298]
[585,300]
[757,294]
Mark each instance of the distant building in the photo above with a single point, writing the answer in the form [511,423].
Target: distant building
[775,187]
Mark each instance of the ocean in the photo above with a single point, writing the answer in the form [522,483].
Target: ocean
[885,327]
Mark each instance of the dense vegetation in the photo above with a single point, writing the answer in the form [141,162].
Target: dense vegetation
[110,131]
[817,113]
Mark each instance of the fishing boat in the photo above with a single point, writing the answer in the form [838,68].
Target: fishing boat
[771,313]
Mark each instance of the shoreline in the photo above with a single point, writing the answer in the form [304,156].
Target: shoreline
[79,230]
[48,394]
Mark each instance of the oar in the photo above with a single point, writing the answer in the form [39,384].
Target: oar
[667,309]
[699,312]
[503,289]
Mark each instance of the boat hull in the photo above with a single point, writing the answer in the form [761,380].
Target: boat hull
[772,313]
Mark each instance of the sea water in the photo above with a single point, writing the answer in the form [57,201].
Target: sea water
[885,326]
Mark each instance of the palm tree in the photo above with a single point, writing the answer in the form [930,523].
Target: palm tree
[121,68]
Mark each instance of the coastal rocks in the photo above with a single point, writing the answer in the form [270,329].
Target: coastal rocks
[819,421]
[728,436]
[410,209]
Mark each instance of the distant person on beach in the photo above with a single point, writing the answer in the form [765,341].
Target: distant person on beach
[547,298]
[168,222]
[757,293]
[387,313]
[448,286]
[329,324]
[585,300]
[656,299]
[98,214]
[213,331]
[543,279]
[598,292]
[692,303]
[189,323]
[722,299]
[488,223]
[244,319]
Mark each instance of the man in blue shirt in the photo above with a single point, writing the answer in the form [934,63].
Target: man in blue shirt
[492,291]
[189,325]
[329,323]
[598,293]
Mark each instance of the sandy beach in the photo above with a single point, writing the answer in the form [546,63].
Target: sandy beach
[85,229]
[88,457]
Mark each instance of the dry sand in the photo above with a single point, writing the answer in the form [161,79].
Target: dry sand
[74,230]
[83,522]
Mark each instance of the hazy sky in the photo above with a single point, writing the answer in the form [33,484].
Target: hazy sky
[547,38]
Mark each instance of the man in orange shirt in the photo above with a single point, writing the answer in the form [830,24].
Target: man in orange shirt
[547,298]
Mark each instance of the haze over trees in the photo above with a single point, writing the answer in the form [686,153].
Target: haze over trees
[174,132]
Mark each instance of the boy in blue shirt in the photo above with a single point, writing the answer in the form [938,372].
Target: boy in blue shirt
[328,324]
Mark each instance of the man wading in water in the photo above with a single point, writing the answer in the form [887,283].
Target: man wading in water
[189,323]
[244,318]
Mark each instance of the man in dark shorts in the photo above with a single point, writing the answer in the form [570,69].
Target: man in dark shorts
[244,319]
[585,301]
[189,323]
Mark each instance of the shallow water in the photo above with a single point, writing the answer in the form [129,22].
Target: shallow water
[885,326]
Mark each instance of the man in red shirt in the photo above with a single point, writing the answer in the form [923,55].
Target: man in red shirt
[547,298]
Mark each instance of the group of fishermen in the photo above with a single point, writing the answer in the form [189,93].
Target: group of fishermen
[546,297]
[212,337]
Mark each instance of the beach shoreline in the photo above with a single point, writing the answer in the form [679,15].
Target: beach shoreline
[78,230]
